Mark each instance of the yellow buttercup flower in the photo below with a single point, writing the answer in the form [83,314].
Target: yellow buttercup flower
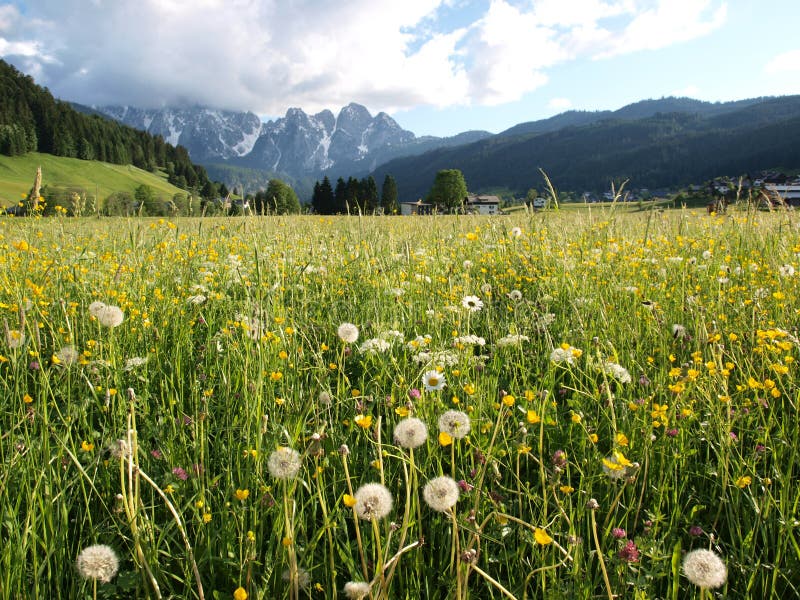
[541,537]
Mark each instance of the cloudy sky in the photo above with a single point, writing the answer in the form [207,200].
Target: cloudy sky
[437,66]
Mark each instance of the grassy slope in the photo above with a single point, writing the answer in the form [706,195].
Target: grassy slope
[17,174]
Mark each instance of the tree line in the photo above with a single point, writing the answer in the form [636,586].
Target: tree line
[355,196]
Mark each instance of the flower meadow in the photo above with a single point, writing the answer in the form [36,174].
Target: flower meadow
[554,405]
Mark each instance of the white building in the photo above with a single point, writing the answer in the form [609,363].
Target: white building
[483,205]
[789,193]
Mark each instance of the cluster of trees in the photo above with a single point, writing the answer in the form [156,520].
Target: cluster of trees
[32,120]
[355,195]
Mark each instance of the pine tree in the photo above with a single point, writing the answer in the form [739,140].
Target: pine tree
[389,196]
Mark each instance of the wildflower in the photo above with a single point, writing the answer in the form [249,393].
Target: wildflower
[445,439]
[472,303]
[541,537]
[373,501]
[532,417]
[616,371]
[134,362]
[629,552]
[565,354]
[410,433]
[441,493]
[618,533]
[743,482]
[284,463]
[433,381]
[349,501]
[356,590]
[347,332]
[374,346]
[110,316]
[240,594]
[242,494]
[559,459]
[98,562]
[705,569]
[512,339]
[695,530]
[616,466]
[87,446]
[363,421]
[180,473]
[454,423]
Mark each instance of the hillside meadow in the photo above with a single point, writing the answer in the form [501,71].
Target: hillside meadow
[553,405]
[96,178]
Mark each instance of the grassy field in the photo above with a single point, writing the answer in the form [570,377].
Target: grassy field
[546,405]
[17,174]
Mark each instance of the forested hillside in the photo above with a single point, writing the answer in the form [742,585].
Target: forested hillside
[667,149]
[32,120]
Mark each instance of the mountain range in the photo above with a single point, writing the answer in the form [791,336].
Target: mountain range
[657,143]
[298,145]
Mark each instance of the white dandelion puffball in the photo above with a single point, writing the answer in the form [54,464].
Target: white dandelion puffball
[356,590]
[68,355]
[284,463]
[95,308]
[110,316]
[15,338]
[472,303]
[433,381]
[347,332]
[373,501]
[441,493]
[454,423]
[705,569]
[98,562]
[410,433]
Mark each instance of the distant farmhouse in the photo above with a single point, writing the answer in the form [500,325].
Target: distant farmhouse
[787,193]
[416,208]
[482,205]
[473,204]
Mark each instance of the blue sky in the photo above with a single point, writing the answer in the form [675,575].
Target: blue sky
[438,67]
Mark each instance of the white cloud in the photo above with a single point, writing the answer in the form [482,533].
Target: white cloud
[690,91]
[268,55]
[788,62]
[560,104]
[665,24]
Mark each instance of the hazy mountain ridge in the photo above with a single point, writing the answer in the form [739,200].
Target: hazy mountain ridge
[588,151]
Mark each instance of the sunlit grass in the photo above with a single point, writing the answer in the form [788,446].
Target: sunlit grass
[628,380]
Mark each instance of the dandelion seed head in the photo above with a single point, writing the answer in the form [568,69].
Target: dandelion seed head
[98,562]
[356,590]
[373,501]
[67,355]
[284,463]
[347,332]
[705,569]
[410,433]
[110,316]
[441,493]
[454,423]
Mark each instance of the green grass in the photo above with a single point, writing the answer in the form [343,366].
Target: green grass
[17,174]
[629,379]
